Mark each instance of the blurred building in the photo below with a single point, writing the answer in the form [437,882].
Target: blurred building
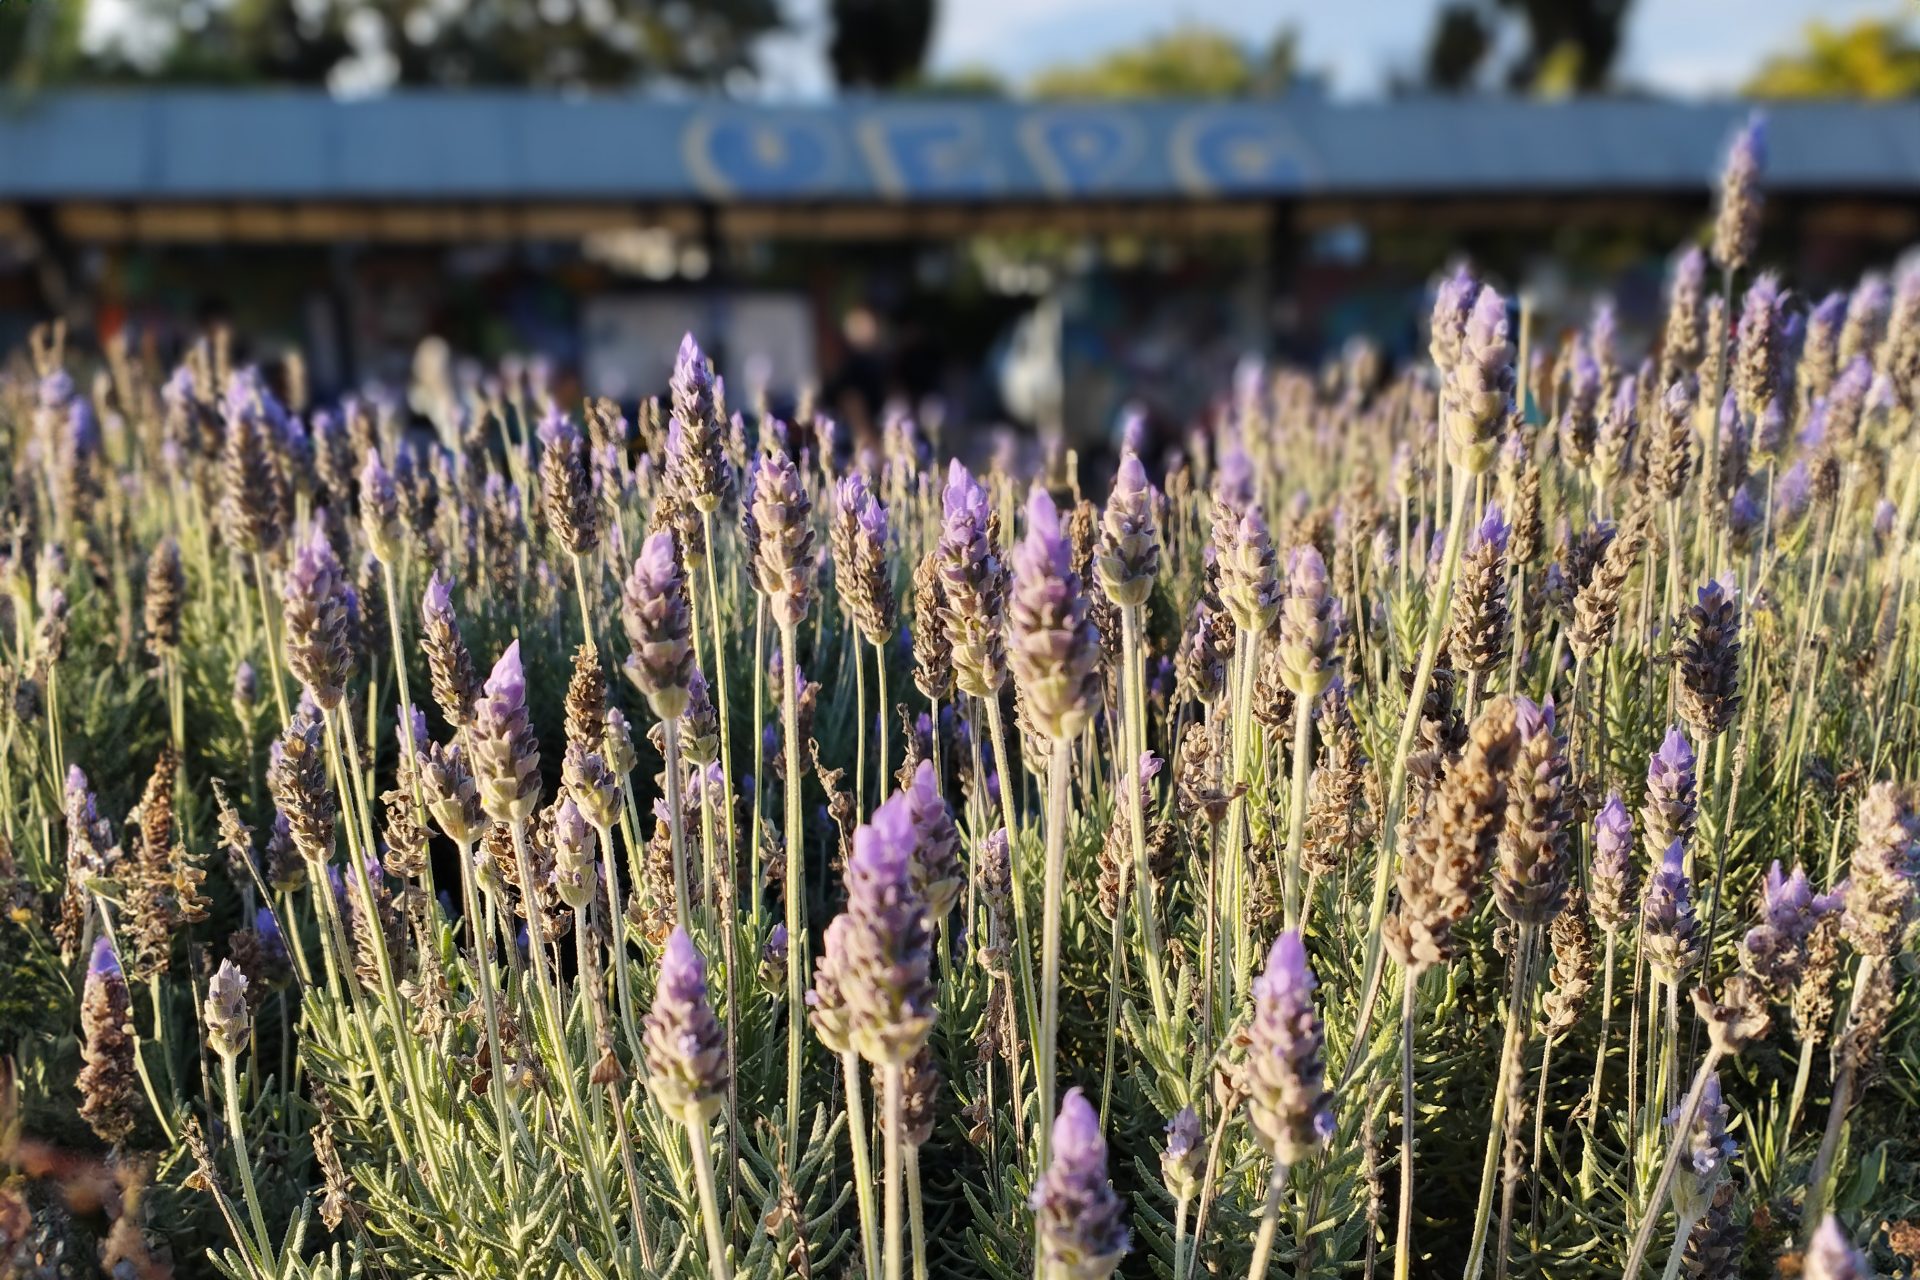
[1040,260]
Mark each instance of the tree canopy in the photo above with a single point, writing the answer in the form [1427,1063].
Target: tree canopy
[568,44]
[1872,59]
[1188,61]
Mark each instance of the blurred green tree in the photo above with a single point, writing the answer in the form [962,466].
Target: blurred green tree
[569,44]
[879,44]
[1190,61]
[1564,46]
[1872,59]
[39,43]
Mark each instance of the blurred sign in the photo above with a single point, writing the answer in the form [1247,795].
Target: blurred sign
[946,151]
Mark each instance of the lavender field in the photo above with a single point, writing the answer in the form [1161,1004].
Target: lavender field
[1457,819]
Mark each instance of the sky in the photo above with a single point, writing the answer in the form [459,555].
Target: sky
[1681,47]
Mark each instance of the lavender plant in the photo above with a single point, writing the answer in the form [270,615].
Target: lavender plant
[1579,694]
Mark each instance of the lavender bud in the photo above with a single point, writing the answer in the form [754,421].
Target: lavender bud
[1477,391]
[451,796]
[1775,950]
[1083,1235]
[246,687]
[1286,1068]
[1307,655]
[1053,647]
[1248,585]
[658,619]
[575,870]
[1831,1256]
[975,585]
[109,1079]
[937,874]
[861,567]
[881,957]
[297,780]
[506,755]
[1709,1151]
[380,509]
[1128,558]
[1708,656]
[566,484]
[686,1049]
[1881,889]
[1612,891]
[1736,226]
[782,515]
[1184,1153]
[1670,809]
[318,623]
[229,1022]
[1668,925]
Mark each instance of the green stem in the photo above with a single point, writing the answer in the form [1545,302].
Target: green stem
[272,645]
[1295,900]
[893,1081]
[1397,778]
[236,1130]
[1269,1223]
[697,1136]
[795,885]
[862,1165]
[557,1028]
[1136,727]
[1656,1202]
[1059,772]
[1512,1044]
[676,822]
[916,1213]
[506,1114]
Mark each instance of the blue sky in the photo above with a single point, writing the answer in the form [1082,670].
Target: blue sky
[1690,47]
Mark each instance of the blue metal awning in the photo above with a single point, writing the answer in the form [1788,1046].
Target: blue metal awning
[185,145]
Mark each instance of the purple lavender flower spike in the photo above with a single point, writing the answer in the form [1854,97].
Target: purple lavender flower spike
[658,619]
[380,508]
[1287,1098]
[1307,631]
[1083,1235]
[1709,1152]
[883,961]
[1736,228]
[1181,1160]
[1669,927]
[937,874]
[1053,647]
[575,870]
[1612,880]
[506,755]
[1831,1256]
[318,625]
[1671,807]
[1774,951]
[1128,557]
[685,1046]
[1477,391]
